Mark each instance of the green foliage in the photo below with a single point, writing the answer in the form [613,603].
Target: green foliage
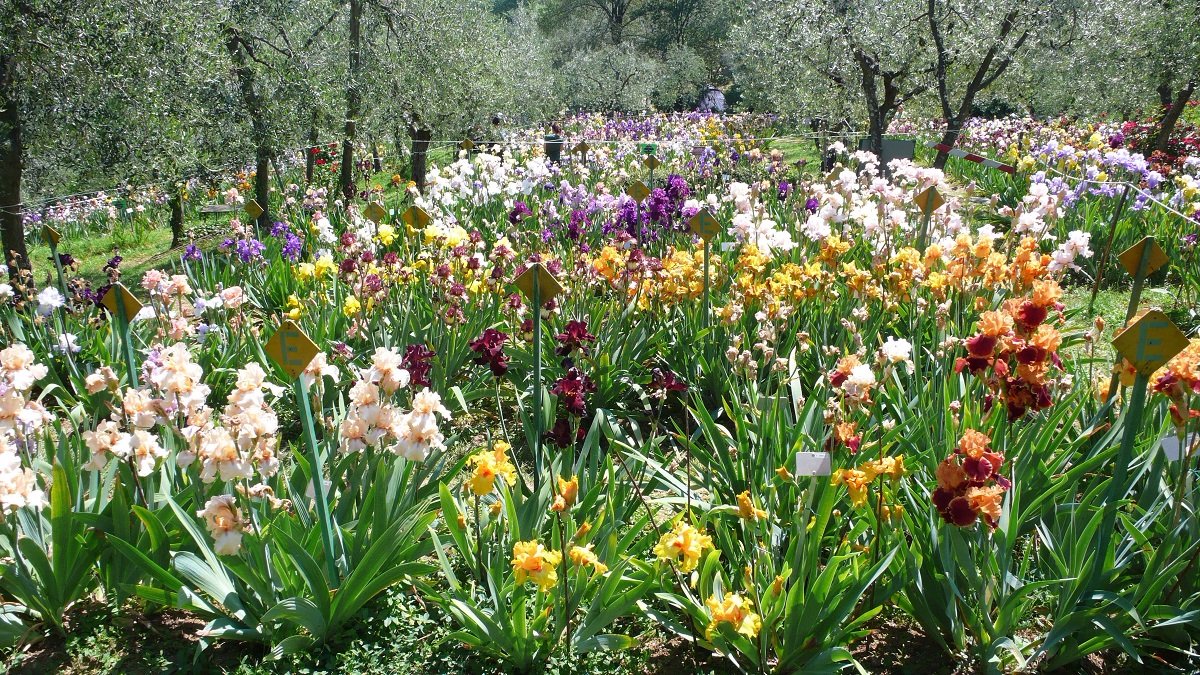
[52,555]
[684,76]
[280,593]
[504,617]
[609,78]
[420,551]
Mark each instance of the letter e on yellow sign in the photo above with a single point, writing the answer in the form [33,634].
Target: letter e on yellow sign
[1150,341]
[291,348]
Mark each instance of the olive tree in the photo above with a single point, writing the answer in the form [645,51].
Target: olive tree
[976,41]
[1120,58]
[446,67]
[833,58]
[610,78]
[280,55]
[90,91]
[1152,56]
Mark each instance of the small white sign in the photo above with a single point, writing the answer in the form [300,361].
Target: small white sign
[1174,449]
[813,464]
[728,245]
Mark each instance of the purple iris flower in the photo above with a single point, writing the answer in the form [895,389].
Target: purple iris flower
[627,218]
[577,224]
[291,247]
[249,249]
[520,211]
[658,208]
[677,190]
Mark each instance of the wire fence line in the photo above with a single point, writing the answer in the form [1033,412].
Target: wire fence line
[709,141]
[23,208]
[1121,183]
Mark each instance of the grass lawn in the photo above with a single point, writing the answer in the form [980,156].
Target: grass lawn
[91,253]
[1111,306]
[796,149]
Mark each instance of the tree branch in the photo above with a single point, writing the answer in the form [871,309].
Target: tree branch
[321,28]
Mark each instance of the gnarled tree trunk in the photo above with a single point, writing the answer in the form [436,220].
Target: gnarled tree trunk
[177,218]
[877,113]
[12,165]
[994,63]
[260,131]
[420,155]
[353,100]
[1171,115]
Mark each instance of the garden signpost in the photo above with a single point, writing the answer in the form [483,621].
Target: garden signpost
[123,307]
[928,201]
[1112,235]
[52,237]
[1141,260]
[375,213]
[1148,343]
[253,209]
[293,350]
[416,218]
[539,287]
[706,226]
[638,191]
[1155,259]
[651,162]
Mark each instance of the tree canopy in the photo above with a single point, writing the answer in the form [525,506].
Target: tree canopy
[133,90]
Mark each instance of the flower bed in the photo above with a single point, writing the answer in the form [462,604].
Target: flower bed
[957,439]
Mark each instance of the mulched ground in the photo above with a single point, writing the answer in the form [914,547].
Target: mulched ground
[166,641]
[897,648]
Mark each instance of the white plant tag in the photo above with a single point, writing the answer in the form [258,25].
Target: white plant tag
[1173,448]
[728,245]
[813,464]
